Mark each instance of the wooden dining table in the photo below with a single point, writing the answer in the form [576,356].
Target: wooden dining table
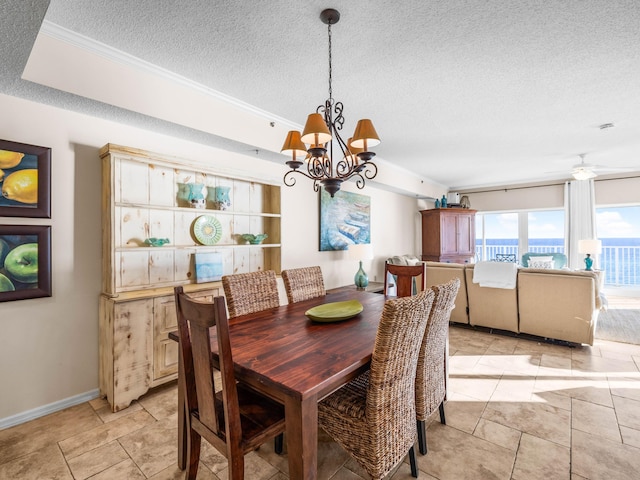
[283,354]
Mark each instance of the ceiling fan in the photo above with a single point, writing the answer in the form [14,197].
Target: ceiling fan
[585,171]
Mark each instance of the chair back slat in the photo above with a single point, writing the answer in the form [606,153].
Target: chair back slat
[303,283]
[404,275]
[250,292]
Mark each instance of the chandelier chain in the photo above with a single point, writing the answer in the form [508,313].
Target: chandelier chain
[330,69]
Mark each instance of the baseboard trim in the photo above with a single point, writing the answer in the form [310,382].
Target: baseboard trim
[47,409]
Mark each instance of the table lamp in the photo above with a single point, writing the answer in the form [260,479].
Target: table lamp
[360,252]
[589,247]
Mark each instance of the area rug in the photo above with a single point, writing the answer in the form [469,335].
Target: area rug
[619,325]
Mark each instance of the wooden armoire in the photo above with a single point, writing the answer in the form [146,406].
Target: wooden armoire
[448,235]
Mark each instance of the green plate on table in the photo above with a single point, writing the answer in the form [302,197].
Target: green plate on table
[334,312]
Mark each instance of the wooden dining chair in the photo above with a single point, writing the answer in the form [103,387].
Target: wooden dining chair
[404,276]
[303,283]
[250,292]
[431,385]
[235,420]
[372,417]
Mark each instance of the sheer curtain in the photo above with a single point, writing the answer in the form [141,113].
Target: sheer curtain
[580,211]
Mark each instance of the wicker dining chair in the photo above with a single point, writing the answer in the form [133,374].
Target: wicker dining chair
[235,420]
[373,416]
[405,276]
[432,360]
[250,292]
[303,283]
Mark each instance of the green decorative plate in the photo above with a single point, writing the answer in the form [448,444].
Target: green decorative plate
[207,230]
[334,312]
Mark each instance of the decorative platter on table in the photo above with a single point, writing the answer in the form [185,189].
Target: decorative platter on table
[335,312]
[207,230]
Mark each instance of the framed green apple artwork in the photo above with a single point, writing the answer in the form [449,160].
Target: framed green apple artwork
[25,262]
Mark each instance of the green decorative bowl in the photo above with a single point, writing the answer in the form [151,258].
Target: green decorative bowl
[254,239]
[156,242]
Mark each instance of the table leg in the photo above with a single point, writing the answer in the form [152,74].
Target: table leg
[301,418]
[182,418]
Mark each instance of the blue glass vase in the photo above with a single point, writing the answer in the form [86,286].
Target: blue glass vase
[361,280]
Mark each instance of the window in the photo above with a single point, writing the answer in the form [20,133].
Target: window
[496,233]
[619,230]
[546,231]
[519,232]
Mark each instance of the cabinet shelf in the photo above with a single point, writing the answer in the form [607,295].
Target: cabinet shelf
[198,247]
[200,211]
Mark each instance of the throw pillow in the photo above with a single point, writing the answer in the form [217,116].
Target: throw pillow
[539,258]
[537,263]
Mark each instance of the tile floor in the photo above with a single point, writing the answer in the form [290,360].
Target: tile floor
[518,409]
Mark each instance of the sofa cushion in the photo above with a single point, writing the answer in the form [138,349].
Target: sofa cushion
[491,307]
[438,273]
[558,304]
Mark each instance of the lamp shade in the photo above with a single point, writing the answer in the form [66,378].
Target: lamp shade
[360,251]
[354,150]
[591,246]
[293,144]
[315,130]
[365,135]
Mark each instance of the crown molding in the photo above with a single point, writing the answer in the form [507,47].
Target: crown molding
[98,48]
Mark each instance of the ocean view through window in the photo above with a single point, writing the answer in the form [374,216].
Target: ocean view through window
[543,232]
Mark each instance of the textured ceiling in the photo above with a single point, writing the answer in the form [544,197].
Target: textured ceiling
[465,93]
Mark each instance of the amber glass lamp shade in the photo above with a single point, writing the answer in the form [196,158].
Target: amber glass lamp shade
[293,145]
[315,130]
[365,135]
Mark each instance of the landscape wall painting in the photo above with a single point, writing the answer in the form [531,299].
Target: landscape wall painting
[344,220]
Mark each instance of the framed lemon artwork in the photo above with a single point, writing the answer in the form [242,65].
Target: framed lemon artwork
[25,180]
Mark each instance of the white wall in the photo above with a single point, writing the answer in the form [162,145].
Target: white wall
[49,346]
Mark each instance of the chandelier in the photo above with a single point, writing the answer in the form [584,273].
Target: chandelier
[325,165]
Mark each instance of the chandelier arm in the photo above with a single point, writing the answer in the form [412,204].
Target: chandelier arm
[360,182]
[319,167]
[370,170]
[289,180]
